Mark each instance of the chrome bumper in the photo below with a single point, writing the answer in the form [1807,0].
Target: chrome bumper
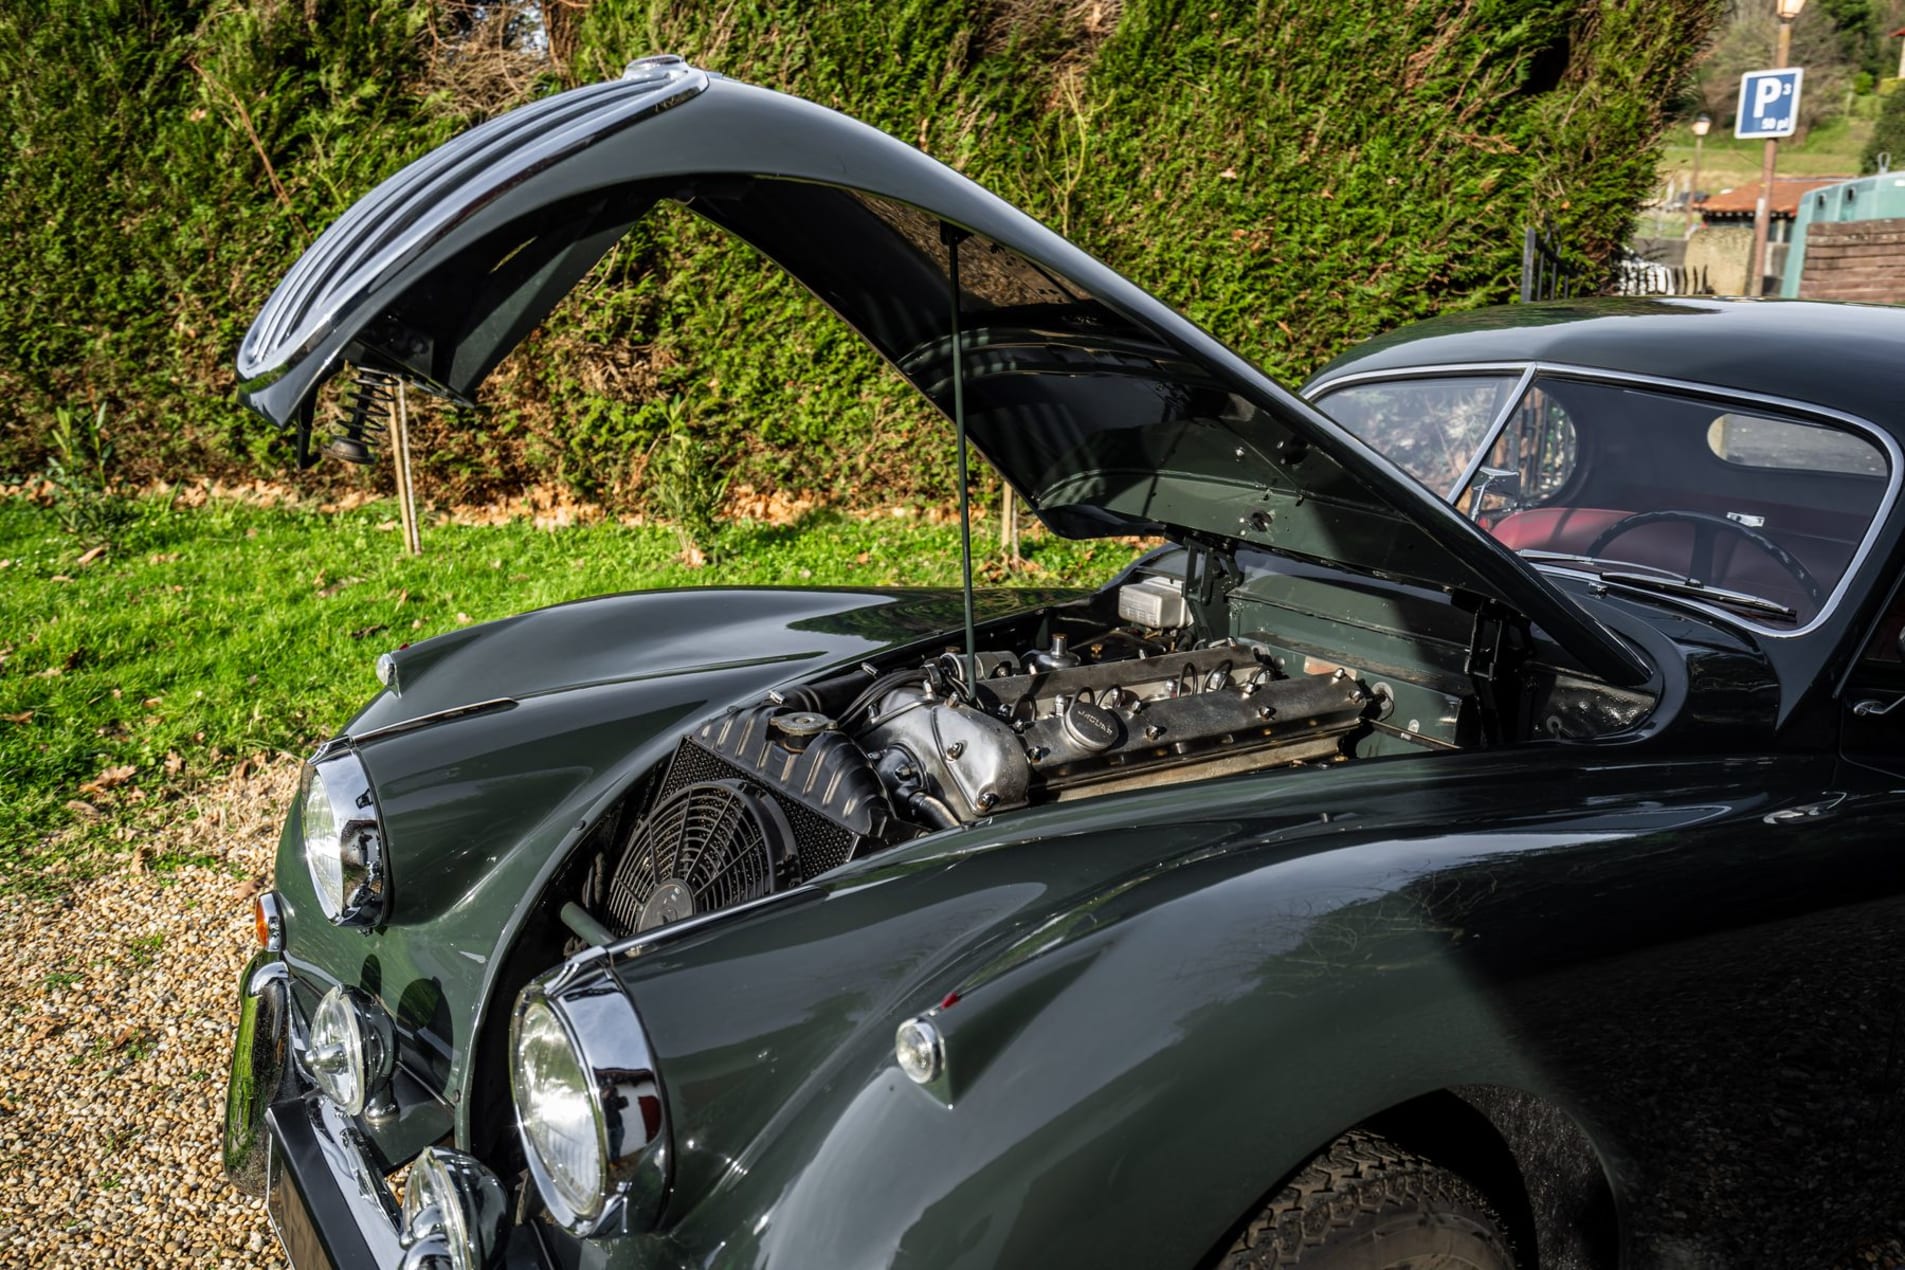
[329,1205]
[261,1072]
[325,1194]
[331,1209]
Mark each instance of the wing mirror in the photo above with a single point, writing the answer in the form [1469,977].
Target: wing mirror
[1501,481]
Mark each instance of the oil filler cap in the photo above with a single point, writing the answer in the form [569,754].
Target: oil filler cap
[1092,727]
[800,727]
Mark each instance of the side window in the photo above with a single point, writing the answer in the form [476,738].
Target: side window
[1429,427]
[1531,460]
[1750,440]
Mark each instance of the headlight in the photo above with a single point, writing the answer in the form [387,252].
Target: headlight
[343,839]
[454,1212]
[557,1110]
[589,1103]
[352,1049]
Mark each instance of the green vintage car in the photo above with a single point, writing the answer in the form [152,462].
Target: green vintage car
[1471,841]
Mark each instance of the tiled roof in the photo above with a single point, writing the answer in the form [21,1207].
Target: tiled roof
[1743,200]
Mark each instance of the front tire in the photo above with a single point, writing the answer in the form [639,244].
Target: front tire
[1364,1203]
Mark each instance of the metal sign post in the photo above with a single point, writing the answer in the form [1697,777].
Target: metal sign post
[1769,109]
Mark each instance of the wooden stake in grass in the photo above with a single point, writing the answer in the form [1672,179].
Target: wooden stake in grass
[406,491]
[1008,524]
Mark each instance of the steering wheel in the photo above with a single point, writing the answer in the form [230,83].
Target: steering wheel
[1705,526]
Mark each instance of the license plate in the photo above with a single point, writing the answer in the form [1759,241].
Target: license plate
[291,1219]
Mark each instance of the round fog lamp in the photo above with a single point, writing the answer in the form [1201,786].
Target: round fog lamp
[919,1049]
[353,1048]
[454,1212]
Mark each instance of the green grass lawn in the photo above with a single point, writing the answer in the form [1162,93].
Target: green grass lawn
[210,636]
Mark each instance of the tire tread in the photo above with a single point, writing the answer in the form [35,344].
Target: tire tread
[1357,1178]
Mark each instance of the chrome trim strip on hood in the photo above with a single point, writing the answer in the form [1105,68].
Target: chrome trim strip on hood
[422,202]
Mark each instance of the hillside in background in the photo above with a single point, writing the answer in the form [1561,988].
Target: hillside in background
[1294,176]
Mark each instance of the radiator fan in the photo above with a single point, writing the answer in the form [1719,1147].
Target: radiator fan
[711,845]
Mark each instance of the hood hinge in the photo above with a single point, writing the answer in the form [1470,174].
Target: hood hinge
[1496,647]
[1210,575]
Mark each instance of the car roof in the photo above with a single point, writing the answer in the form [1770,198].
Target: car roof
[1846,357]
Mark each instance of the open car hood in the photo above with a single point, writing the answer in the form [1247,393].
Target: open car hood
[1106,410]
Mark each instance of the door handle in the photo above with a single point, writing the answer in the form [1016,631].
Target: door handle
[1872,708]
[1805,811]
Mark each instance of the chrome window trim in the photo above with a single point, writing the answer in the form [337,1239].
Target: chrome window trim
[1521,372]
[1530,370]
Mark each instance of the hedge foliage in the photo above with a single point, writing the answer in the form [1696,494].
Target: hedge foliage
[1294,176]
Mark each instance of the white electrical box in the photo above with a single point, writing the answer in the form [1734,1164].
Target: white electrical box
[1157,603]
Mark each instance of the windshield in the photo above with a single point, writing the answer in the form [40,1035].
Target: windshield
[1746,509]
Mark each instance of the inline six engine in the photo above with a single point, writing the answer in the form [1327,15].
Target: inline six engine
[769,795]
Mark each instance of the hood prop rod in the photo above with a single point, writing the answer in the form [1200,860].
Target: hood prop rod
[952,236]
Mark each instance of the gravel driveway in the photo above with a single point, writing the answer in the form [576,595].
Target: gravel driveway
[116,1015]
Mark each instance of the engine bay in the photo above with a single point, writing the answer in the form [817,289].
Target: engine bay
[771,794]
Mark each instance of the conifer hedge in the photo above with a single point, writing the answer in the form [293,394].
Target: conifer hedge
[1296,176]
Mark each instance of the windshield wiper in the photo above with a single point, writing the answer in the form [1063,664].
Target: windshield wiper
[1619,572]
[1701,591]
[1595,563]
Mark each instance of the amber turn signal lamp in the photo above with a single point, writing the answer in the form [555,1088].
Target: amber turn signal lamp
[268,921]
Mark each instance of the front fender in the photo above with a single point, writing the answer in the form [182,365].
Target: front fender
[480,809]
[1131,1066]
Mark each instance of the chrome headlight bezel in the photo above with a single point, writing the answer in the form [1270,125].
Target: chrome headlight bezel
[342,835]
[625,1094]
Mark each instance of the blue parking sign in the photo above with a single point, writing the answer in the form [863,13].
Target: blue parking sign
[1769,104]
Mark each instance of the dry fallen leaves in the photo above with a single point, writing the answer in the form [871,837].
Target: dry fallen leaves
[108,779]
[21,717]
[90,555]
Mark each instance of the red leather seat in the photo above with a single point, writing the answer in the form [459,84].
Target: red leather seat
[1737,564]
[1555,528]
